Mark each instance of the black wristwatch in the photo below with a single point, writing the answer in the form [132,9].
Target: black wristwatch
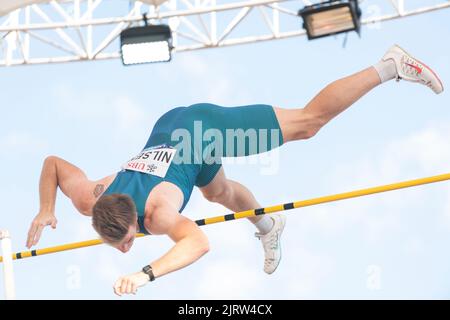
[149,271]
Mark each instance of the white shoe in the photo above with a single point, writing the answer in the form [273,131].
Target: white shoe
[271,242]
[411,69]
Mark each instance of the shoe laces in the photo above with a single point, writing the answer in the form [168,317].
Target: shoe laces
[271,241]
[409,66]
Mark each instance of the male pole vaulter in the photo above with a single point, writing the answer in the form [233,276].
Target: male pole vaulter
[151,190]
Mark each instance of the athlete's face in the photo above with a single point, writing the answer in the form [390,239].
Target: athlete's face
[127,242]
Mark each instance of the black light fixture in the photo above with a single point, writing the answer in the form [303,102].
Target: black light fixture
[146,44]
[331,17]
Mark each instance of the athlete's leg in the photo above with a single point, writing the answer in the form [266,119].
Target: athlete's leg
[297,124]
[236,197]
[304,123]
[230,194]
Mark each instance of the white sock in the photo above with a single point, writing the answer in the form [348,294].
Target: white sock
[264,225]
[386,70]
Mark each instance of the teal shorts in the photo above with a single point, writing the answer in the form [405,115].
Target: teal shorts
[216,132]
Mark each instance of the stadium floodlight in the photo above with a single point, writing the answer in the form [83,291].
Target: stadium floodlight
[146,44]
[331,17]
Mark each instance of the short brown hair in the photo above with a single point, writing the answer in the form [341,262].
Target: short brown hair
[112,216]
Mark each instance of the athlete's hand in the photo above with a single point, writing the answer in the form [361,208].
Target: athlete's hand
[42,220]
[130,284]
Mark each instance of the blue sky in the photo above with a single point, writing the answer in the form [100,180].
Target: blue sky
[97,115]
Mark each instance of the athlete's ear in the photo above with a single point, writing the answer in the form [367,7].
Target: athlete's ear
[137,225]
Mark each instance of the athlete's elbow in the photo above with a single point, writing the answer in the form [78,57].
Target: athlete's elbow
[202,251]
[205,248]
[202,245]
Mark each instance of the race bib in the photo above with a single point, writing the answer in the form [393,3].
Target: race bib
[153,160]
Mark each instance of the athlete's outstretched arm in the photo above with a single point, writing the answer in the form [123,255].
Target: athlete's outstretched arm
[73,183]
[190,245]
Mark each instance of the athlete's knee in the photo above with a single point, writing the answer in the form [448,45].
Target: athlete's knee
[221,194]
[311,131]
[306,125]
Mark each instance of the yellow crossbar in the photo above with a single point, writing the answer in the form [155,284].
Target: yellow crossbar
[255,212]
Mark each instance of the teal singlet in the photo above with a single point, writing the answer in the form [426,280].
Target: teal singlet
[192,132]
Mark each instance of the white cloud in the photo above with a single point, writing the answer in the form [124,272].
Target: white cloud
[428,150]
[414,246]
[218,89]
[116,109]
[20,143]
[130,116]
[446,207]
[307,272]
[227,279]
[87,105]
[106,268]
[193,65]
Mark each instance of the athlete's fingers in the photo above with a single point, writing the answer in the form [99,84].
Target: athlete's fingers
[133,288]
[129,286]
[30,236]
[123,286]
[54,222]
[31,233]
[117,287]
[37,236]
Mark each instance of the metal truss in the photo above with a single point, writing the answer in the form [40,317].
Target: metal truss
[83,30]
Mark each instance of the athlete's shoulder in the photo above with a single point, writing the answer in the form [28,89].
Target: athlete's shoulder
[165,194]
